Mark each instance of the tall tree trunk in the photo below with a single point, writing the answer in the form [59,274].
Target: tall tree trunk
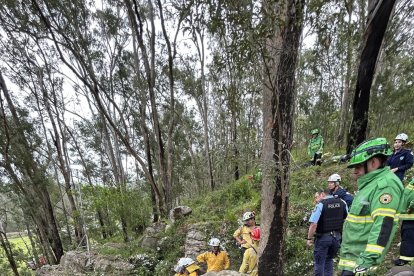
[35,194]
[5,244]
[59,141]
[378,16]
[278,107]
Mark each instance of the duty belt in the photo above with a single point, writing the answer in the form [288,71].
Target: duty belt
[331,233]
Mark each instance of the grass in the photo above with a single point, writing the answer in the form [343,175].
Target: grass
[21,256]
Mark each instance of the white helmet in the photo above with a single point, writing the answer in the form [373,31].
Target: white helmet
[214,242]
[402,136]
[334,178]
[248,215]
[184,262]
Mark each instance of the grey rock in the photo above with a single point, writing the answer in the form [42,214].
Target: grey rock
[75,261]
[179,212]
[401,271]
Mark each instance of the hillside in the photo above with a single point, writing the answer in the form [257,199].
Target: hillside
[218,213]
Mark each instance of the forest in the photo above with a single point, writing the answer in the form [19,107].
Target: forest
[114,112]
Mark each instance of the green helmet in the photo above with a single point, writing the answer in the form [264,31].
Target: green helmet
[369,149]
[314,131]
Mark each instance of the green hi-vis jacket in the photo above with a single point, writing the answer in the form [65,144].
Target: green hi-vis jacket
[407,204]
[315,145]
[372,220]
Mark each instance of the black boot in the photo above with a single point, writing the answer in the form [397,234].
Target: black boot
[400,262]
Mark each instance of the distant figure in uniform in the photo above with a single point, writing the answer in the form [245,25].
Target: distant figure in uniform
[334,182]
[401,158]
[315,147]
[325,230]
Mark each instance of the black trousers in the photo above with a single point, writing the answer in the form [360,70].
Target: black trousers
[407,240]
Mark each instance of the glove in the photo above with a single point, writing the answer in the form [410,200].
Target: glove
[361,271]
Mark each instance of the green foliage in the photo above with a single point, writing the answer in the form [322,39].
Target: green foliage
[132,204]
[21,256]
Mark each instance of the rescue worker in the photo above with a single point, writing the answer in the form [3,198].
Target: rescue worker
[407,226]
[216,259]
[186,267]
[401,158]
[249,264]
[315,147]
[370,226]
[337,191]
[325,229]
[242,234]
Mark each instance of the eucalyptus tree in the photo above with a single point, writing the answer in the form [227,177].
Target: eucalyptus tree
[379,13]
[328,53]
[23,164]
[392,89]
[282,26]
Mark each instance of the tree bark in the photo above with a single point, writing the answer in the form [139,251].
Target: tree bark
[279,95]
[377,21]
[5,244]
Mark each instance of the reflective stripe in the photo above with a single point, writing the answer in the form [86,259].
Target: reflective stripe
[359,219]
[347,263]
[386,212]
[405,258]
[406,216]
[374,248]
[410,187]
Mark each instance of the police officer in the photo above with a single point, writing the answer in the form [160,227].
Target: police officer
[401,158]
[334,182]
[326,225]
[370,226]
[315,147]
[407,226]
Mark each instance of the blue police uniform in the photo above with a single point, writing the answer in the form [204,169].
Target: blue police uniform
[344,195]
[403,160]
[329,215]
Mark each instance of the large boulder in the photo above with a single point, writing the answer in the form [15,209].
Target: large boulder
[195,241]
[113,265]
[75,261]
[179,212]
[401,271]
[83,263]
[54,270]
[151,234]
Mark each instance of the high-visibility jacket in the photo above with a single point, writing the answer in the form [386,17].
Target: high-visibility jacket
[193,269]
[215,262]
[244,231]
[315,145]
[249,264]
[372,220]
[407,202]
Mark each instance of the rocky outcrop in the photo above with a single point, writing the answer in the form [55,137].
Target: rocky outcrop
[401,271]
[81,263]
[195,241]
[150,237]
[179,212]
